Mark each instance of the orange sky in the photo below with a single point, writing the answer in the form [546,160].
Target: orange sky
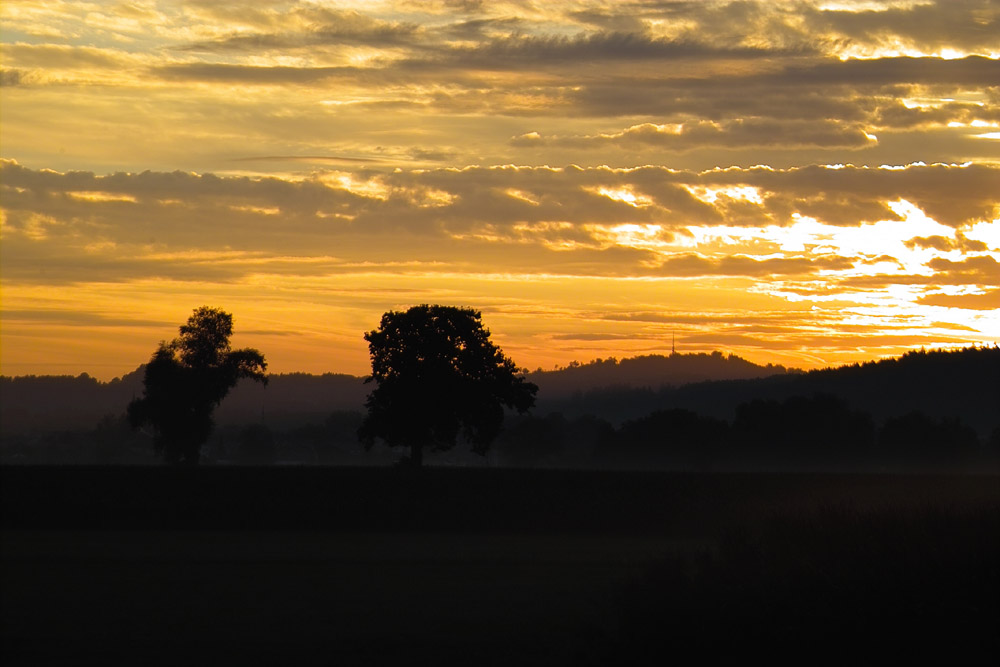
[804,183]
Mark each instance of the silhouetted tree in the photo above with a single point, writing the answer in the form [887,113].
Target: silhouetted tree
[673,437]
[438,376]
[917,437]
[993,443]
[257,445]
[186,379]
[533,440]
[800,428]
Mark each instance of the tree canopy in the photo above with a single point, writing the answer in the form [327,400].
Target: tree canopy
[439,378]
[187,378]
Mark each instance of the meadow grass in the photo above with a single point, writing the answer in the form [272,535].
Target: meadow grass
[493,567]
[832,584]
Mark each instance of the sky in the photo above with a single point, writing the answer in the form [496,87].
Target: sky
[807,183]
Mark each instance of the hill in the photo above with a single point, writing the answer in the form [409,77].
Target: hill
[652,371]
[926,410]
[36,404]
[49,403]
[46,404]
[959,384]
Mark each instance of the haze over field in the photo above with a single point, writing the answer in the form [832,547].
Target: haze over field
[804,183]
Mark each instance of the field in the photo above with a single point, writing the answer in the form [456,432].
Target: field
[381,566]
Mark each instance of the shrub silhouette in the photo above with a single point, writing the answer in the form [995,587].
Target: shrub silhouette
[438,376]
[533,440]
[917,437]
[186,379]
[257,445]
[802,427]
[668,437]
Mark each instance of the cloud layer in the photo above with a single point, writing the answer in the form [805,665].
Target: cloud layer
[816,181]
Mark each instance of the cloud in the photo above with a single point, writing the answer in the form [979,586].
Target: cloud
[738,265]
[77,318]
[951,194]
[989,300]
[969,24]
[480,29]
[534,56]
[816,88]
[975,270]
[252,74]
[519,51]
[945,244]
[79,226]
[725,317]
[937,242]
[11,77]
[749,82]
[457,200]
[304,158]
[895,114]
[971,70]
[980,270]
[600,337]
[307,27]
[67,57]
[703,133]
[566,55]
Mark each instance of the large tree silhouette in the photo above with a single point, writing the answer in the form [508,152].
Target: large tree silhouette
[186,379]
[438,378]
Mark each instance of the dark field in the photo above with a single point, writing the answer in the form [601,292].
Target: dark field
[458,566]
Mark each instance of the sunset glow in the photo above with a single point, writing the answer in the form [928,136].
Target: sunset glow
[806,183]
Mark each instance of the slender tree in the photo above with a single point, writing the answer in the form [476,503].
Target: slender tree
[439,378]
[186,379]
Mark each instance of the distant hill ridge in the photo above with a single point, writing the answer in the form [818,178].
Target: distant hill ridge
[48,403]
[653,371]
[959,384]
[962,383]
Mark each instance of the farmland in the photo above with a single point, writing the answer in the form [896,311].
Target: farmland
[489,566]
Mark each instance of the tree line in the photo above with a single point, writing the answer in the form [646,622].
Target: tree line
[428,395]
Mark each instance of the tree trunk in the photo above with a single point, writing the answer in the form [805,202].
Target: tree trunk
[417,455]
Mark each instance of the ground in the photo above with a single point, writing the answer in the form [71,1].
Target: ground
[533,581]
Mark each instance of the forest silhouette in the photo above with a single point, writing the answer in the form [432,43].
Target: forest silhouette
[924,410]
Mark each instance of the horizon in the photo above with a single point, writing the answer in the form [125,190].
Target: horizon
[806,184]
[333,372]
[555,369]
